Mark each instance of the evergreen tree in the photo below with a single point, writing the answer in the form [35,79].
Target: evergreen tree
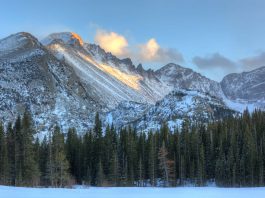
[73,153]
[44,161]
[11,149]
[58,166]
[100,175]
[249,156]
[3,157]
[114,169]
[201,167]
[97,150]
[165,164]
[152,161]
[30,171]
[18,147]
[87,156]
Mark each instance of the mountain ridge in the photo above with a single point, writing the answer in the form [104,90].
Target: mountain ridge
[84,79]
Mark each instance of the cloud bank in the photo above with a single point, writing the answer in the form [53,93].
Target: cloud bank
[253,62]
[217,65]
[215,60]
[147,52]
[219,61]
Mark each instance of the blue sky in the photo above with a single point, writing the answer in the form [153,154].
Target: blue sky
[210,36]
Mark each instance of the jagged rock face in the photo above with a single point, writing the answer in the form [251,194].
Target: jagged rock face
[173,109]
[183,78]
[31,78]
[248,86]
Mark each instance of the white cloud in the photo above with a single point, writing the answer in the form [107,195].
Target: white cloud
[152,52]
[112,42]
[148,52]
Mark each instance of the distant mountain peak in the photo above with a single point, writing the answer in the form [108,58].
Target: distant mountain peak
[69,38]
[171,67]
[245,86]
[140,67]
[16,41]
[127,61]
[24,34]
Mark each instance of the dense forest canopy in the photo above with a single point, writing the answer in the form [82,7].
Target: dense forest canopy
[230,152]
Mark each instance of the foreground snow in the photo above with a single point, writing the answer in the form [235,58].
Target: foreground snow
[179,192]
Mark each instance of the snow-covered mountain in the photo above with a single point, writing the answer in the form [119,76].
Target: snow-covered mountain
[246,88]
[32,78]
[65,80]
[176,76]
[109,79]
[174,108]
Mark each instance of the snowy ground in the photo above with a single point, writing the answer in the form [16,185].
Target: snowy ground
[179,192]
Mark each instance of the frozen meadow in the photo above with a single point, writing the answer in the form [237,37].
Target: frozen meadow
[133,192]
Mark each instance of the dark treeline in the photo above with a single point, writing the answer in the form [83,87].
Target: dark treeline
[229,152]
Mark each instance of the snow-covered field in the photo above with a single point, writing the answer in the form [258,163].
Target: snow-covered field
[179,192]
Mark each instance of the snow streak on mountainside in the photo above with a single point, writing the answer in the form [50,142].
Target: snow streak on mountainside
[111,80]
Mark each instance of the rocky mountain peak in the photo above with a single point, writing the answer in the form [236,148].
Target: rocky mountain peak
[170,68]
[15,42]
[247,86]
[127,61]
[177,76]
[69,38]
[140,67]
